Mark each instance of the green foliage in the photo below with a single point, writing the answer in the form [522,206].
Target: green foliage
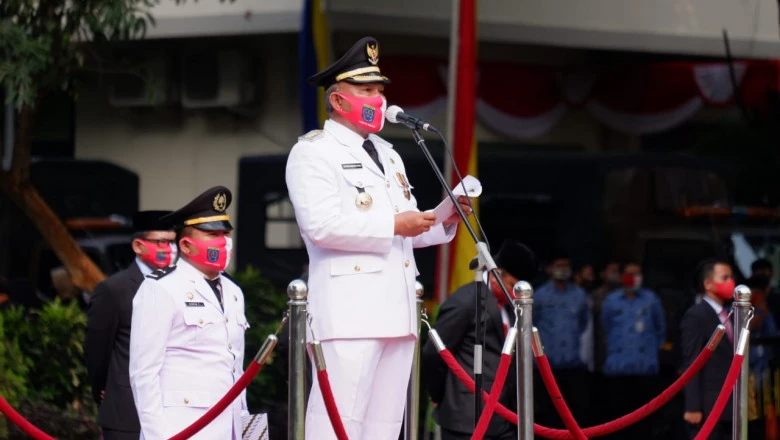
[53,340]
[42,371]
[264,308]
[42,43]
[13,364]
[61,423]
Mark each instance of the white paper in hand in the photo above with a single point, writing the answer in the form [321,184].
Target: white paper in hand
[446,208]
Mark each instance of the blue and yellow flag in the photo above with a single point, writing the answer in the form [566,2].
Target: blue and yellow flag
[313,56]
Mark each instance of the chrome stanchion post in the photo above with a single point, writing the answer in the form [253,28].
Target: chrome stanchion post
[525,357]
[297,291]
[742,314]
[412,414]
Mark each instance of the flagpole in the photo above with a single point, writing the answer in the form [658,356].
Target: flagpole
[452,75]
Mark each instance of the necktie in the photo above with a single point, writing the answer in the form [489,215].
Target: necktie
[727,323]
[371,150]
[216,286]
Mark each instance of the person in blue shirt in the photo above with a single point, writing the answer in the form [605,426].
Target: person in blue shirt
[560,313]
[635,328]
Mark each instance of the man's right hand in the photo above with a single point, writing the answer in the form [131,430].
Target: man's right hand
[413,223]
[693,417]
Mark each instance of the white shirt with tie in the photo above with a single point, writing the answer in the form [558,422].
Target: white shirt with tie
[186,353]
[361,275]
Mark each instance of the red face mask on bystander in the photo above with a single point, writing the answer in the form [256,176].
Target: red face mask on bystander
[725,290]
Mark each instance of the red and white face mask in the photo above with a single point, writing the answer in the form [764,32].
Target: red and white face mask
[631,281]
[214,253]
[157,256]
[367,113]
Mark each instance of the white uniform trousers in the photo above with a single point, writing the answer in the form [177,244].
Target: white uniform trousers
[369,378]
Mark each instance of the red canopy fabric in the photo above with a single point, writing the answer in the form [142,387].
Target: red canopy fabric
[520,101]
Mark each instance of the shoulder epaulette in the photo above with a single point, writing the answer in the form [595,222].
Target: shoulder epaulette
[159,273]
[312,135]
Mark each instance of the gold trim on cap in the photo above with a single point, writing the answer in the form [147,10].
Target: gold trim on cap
[370,78]
[362,70]
[200,220]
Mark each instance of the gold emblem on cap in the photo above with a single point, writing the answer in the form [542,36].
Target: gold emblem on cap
[220,202]
[373,53]
[363,201]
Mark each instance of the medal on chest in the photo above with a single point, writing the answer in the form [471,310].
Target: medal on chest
[404,185]
[363,200]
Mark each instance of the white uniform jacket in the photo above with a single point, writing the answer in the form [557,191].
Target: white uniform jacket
[186,353]
[361,276]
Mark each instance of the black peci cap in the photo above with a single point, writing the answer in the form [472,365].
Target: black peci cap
[144,221]
[359,65]
[517,259]
[206,211]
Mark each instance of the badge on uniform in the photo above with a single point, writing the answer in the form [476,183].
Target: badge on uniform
[194,304]
[351,166]
[363,201]
[405,185]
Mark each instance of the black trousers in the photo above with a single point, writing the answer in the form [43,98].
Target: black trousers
[721,431]
[453,435]
[110,434]
[575,386]
[624,394]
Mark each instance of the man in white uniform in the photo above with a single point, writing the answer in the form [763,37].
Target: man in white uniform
[187,332]
[360,223]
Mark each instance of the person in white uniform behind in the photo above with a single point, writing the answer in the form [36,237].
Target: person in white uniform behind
[187,332]
[360,222]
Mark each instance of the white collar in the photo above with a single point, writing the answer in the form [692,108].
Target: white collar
[714,304]
[349,138]
[343,134]
[143,267]
[186,266]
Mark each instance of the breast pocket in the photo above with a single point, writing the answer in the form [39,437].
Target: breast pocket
[362,189]
[198,322]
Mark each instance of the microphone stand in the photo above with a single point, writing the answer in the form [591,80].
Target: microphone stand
[485,260]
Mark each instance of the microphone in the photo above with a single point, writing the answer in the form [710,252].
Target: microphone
[396,115]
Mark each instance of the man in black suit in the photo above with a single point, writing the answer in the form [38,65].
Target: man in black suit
[107,342]
[717,284]
[455,324]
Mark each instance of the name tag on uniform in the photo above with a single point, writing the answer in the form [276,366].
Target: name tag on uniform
[351,166]
[194,304]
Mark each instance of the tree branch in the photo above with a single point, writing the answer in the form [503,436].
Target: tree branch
[20,158]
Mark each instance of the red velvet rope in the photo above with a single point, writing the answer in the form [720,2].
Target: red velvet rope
[17,419]
[223,403]
[653,405]
[495,393]
[555,394]
[723,398]
[595,431]
[330,405]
